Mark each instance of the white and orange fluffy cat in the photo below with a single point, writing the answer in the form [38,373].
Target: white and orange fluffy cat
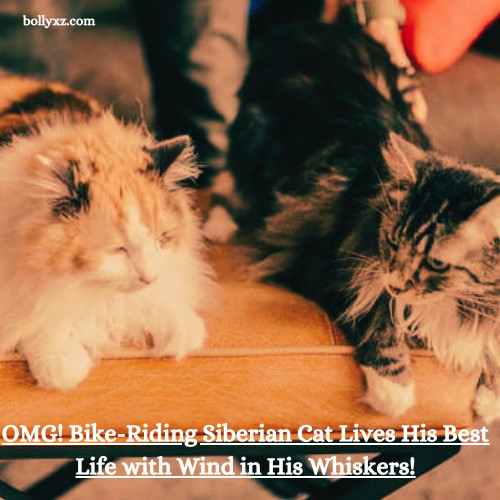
[99,241]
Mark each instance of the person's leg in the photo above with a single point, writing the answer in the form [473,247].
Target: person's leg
[196,51]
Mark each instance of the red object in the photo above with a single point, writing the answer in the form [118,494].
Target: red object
[438,32]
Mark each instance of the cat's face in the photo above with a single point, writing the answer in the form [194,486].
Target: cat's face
[128,248]
[440,236]
[105,206]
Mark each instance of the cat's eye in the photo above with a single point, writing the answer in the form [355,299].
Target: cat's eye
[119,250]
[165,237]
[436,264]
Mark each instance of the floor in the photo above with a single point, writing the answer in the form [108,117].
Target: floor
[464,121]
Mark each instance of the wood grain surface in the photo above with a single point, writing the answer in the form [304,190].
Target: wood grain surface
[271,357]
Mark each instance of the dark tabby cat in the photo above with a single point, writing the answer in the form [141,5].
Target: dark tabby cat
[398,243]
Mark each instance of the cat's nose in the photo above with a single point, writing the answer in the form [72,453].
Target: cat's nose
[394,290]
[397,284]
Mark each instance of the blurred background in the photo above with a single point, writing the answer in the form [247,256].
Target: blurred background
[106,61]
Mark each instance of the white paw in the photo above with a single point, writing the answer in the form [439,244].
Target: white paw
[63,368]
[386,396]
[486,404]
[187,335]
[220,226]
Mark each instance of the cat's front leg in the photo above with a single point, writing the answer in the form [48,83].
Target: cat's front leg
[56,362]
[183,332]
[486,404]
[389,383]
[385,360]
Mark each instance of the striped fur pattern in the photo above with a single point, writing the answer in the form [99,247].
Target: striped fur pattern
[347,204]
[99,241]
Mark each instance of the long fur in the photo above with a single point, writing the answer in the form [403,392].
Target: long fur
[348,205]
[98,241]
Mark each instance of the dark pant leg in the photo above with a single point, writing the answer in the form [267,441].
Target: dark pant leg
[196,51]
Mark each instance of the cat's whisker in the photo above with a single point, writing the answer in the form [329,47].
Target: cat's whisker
[392,303]
[485,301]
[373,206]
[355,259]
[357,254]
[382,186]
[477,312]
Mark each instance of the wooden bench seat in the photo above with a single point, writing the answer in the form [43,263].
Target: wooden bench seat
[271,357]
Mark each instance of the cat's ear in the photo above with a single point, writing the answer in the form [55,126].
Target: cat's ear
[401,156]
[482,227]
[174,159]
[484,222]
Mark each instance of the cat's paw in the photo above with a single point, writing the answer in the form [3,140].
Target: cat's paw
[220,226]
[63,368]
[486,404]
[188,335]
[386,396]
